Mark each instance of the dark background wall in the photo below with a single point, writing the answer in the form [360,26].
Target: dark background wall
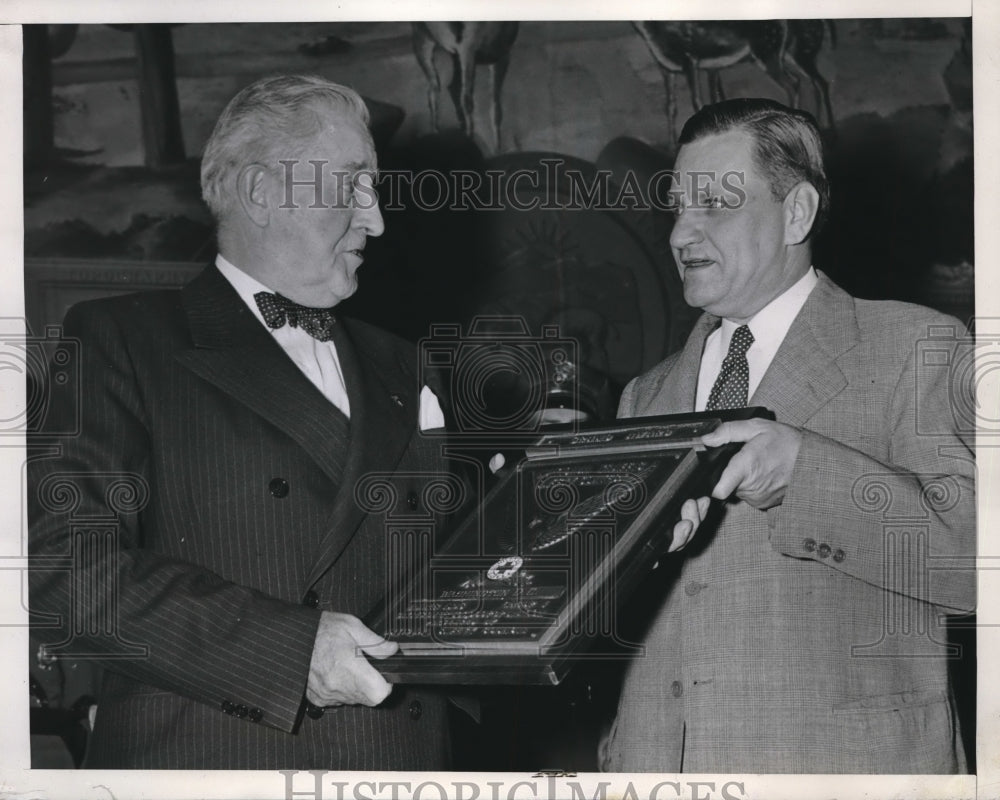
[900,158]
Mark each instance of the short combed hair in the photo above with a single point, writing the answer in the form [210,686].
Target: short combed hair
[271,118]
[787,144]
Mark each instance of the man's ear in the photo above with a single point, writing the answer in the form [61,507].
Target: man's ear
[800,207]
[252,191]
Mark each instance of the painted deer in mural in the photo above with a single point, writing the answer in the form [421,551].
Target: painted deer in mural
[785,49]
[469,44]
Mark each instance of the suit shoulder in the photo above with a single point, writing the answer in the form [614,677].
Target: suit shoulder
[364,334]
[655,373]
[644,386]
[379,346]
[137,305]
[906,321]
[143,322]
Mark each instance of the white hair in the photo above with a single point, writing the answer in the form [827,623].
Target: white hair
[270,119]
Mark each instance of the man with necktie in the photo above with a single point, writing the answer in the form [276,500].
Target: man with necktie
[802,629]
[242,413]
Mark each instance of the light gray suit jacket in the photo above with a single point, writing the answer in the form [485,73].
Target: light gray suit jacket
[810,637]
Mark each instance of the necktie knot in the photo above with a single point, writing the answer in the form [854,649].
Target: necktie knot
[278,311]
[733,384]
[741,341]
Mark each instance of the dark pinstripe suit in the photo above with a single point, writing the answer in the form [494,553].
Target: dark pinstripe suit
[188,391]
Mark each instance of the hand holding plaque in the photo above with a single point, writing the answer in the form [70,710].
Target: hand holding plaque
[338,673]
[692,513]
[535,576]
[759,474]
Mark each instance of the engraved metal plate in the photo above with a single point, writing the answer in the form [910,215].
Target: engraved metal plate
[535,576]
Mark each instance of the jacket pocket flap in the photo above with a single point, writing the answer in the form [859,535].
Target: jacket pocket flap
[896,700]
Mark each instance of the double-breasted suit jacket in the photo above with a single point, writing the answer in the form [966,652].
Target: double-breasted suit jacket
[810,637]
[244,525]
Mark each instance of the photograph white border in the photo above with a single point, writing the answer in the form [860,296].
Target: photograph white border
[17,780]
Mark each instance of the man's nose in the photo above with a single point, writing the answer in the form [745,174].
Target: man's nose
[368,215]
[686,230]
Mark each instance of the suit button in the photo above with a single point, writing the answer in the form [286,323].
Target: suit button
[256,715]
[839,555]
[278,487]
[227,707]
[693,588]
[313,712]
[809,545]
[412,501]
[311,599]
[676,689]
[824,550]
[416,709]
[242,711]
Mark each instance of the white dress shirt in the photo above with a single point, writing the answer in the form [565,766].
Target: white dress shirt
[317,360]
[769,327]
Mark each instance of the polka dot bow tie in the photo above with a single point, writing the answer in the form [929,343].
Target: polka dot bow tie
[731,387]
[278,310]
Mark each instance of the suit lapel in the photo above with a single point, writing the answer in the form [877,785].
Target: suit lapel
[804,375]
[383,411]
[679,383]
[235,353]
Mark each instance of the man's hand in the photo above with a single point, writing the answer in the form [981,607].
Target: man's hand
[692,514]
[761,471]
[339,674]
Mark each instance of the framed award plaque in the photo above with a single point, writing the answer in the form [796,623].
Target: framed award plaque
[534,577]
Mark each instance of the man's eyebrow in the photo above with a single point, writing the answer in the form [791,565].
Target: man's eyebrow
[361,167]
[357,166]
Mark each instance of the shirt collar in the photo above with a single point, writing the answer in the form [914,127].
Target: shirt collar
[246,286]
[771,323]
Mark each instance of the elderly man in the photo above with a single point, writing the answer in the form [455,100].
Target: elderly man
[803,630]
[240,414]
